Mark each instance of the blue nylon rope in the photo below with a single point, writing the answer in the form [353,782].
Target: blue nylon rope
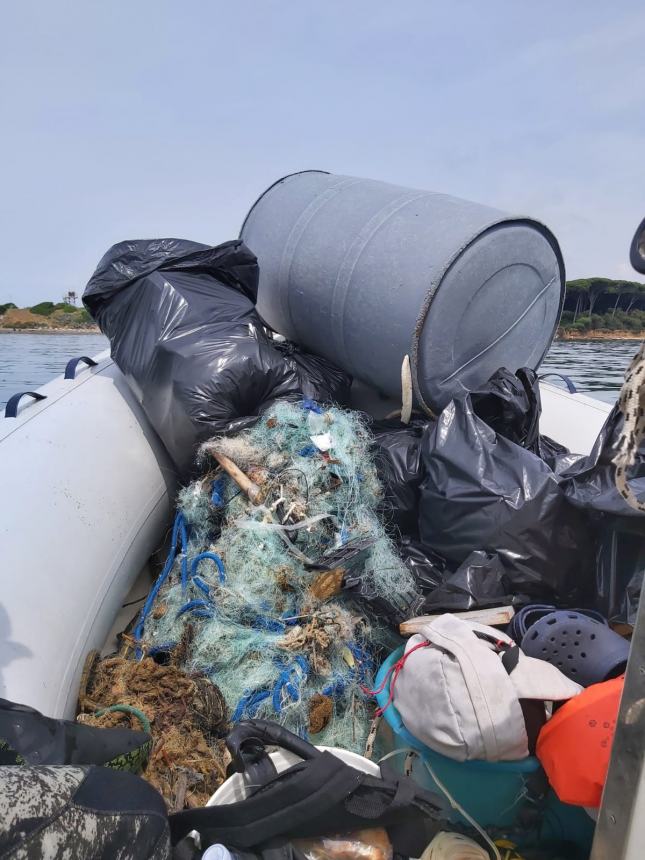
[179,527]
[196,604]
[262,622]
[184,550]
[213,556]
[199,582]
[311,405]
[217,493]
[286,682]
[336,689]
[308,451]
[161,649]
[249,704]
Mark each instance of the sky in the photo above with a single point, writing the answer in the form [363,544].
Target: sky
[123,119]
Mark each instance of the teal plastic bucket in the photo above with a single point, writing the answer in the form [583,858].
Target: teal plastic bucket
[493,793]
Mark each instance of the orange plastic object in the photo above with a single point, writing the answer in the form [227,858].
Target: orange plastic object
[575,745]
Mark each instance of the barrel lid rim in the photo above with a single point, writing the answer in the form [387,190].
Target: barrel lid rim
[522,220]
[272,186]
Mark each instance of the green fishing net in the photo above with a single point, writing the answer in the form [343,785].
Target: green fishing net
[255,600]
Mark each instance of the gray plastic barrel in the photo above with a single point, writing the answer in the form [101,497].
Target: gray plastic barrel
[365,273]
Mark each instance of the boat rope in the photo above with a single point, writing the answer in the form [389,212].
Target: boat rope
[126,709]
[213,556]
[179,533]
[631,403]
[287,688]
[200,608]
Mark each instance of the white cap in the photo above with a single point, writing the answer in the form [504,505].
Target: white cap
[457,696]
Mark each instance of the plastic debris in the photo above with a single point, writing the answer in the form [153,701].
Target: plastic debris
[263,577]
[370,844]
[397,451]
[454,846]
[184,331]
[322,441]
[187,716]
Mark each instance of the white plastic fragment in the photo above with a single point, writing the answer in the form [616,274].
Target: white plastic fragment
[322,441]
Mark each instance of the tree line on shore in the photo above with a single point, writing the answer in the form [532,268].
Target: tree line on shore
[590,304]
[603,303]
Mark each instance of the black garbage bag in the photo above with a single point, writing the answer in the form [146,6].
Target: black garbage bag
[481,491]
[618,529]
[537,512]
[397,454]
[620,567]
[557,456]
[358,583]
[589,482]
[184,330]
[393,609]
[478,583]
[510,404]
[428,568]
[318,378]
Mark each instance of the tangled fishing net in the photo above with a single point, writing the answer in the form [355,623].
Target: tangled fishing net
[282,595]
[185,715]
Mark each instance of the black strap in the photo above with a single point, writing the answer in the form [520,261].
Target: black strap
[315,798]
[566,379]
[510,658]
[405,788]
[510,653]
[298,795]
[247,744]
[72,364]
[11,409]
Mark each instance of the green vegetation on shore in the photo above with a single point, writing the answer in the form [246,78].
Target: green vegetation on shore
[46,316]
[603,305]
[594,307]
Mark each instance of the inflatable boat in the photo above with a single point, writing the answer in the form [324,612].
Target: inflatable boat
[89,491]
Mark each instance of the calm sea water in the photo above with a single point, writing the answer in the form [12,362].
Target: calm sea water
[596,367]
[30,360]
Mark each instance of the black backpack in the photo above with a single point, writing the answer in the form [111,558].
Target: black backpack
[318,796]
